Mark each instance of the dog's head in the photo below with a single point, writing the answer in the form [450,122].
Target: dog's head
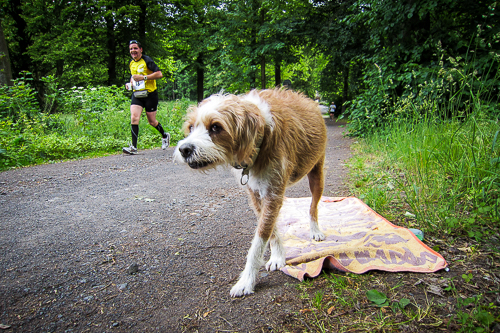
[222,129]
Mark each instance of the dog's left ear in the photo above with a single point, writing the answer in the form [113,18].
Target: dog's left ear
[250,131]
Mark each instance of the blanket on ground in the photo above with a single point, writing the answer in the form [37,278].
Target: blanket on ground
[357,240]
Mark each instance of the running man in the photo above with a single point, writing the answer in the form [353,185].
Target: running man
[144,73]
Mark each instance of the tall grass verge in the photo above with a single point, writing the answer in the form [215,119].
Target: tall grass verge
[447,172]
[437,166]
[87,122]
[430,160]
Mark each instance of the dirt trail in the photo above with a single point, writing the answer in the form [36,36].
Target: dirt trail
[73,234]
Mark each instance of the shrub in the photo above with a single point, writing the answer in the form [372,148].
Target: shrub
[414,92]
[89,122]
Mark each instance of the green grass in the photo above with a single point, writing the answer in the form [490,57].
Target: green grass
[390,302]
[445,173]
[84,132]
[74,123]
[347,303]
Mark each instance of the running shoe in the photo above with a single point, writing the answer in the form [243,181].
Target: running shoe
[165,142]
[130,150]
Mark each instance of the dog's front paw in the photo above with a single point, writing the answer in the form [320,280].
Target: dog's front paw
[317,235]
[315,232]
[275,263]
[241,288]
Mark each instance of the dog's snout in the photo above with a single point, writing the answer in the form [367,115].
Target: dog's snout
[186,150]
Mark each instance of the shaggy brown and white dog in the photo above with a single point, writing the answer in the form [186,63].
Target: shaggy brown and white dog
[276,137]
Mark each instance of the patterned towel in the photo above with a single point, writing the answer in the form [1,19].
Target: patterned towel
[357,240]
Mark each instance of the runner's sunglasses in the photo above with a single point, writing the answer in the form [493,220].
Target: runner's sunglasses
[133,41]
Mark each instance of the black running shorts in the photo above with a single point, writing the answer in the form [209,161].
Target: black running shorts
[150,103]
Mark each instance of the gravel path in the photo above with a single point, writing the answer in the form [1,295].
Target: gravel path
[137,244]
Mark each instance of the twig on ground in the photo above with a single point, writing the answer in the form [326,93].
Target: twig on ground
[226,321]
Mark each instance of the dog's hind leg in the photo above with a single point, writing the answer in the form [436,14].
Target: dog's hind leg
[316,185]
[277,259]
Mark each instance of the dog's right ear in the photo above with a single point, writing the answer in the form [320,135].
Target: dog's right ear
[189,119]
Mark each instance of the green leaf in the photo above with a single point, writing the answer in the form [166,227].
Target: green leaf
[376,297]
[404,302]
[485,318]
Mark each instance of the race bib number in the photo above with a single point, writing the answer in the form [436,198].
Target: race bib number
[139,85]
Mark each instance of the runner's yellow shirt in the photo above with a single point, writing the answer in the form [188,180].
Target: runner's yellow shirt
[145,66]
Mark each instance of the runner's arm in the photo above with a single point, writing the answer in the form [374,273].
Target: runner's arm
[153,76]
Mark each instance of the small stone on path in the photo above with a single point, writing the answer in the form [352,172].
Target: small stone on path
[134,268]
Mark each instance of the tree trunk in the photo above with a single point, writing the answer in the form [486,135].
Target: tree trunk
[277,72]
[142,22]
[22,60]
[111,46]
[200,77]
[263,56]
[345,93]
[254,63]
[5,69]
[59,68]
[263,71]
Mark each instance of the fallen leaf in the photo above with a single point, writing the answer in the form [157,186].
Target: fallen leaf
[465,249]
[403,303]
[377,297]
[305,311]
[439,282]
[4,327]
[330,310]
[436,290]
[207,313]
[418,282]
[436,324]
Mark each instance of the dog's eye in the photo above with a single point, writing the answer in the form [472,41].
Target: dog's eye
[191,128]
[215,128]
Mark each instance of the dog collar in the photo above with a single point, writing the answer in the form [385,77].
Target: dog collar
[246,168]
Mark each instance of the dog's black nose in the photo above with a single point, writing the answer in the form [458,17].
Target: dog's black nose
[186,150]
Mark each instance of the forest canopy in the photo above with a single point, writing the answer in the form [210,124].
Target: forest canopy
[364,55]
